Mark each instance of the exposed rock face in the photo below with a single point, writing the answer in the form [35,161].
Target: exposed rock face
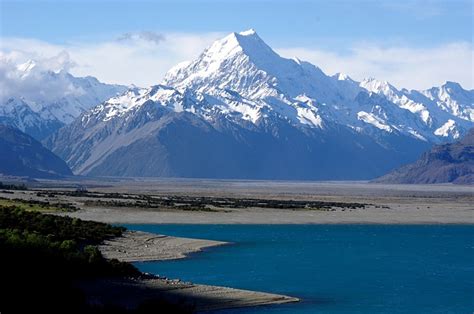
[442,164]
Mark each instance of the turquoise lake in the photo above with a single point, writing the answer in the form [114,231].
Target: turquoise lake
[334,268]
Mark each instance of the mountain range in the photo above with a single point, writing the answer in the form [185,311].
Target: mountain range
[239,110]
[43,101]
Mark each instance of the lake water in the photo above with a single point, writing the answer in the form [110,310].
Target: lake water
[334,268]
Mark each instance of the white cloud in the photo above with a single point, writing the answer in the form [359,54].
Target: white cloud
[32,80]
[132,58]
[144,35]
[404,67]
[143,58]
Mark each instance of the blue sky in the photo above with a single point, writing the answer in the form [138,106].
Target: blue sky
[283,22]
[317,29]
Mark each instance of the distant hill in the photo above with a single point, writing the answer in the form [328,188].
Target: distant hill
[22,155]
[442,164]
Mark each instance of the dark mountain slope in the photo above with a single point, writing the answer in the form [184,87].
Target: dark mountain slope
[22,155]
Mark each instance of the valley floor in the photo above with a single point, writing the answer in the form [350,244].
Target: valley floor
[140,201]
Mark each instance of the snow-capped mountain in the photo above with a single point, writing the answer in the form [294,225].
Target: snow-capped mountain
[248,80]
[240,110]
[17,113]
[303,94]
[38,102]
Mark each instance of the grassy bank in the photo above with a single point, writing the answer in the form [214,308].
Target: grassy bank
[37,206]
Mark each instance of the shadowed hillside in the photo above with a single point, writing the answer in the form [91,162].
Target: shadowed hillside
[22,155]
[442,164]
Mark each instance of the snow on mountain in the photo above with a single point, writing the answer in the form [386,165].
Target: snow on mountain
[132,101]
[370,118]
[261,81]
[452,98]
[26,68]
[437,107]
[448,130]
[244,63]
[18,113]
[53,97]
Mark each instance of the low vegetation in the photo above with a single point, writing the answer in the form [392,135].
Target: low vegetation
[44,256]
[194,203]
[57,228]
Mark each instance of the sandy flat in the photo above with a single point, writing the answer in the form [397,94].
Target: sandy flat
[136,246]
[388,210]
[390,204]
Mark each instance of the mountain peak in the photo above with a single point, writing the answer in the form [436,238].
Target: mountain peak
[244,63]
[452,85]
[378,87]
[342,77]
[227,60]
[247,42]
